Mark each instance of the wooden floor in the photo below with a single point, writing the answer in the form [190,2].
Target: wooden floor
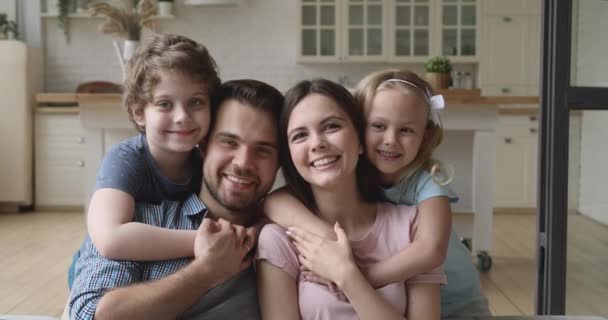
[36,249]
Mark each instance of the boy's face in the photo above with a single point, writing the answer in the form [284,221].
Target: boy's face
[241,158]
[178,116]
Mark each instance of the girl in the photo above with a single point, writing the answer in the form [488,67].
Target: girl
[321,135]
[403,129]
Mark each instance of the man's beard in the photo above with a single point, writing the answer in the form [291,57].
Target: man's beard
[235,208]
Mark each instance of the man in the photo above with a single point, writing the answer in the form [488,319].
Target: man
[241,161]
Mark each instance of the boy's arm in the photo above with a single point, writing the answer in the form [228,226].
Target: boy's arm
[427,251]
[287,211]
[115,236]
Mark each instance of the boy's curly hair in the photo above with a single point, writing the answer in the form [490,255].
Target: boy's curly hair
[166,52]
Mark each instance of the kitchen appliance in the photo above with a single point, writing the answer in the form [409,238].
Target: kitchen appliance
[20,78]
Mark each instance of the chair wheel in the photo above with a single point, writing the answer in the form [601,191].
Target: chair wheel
[484,261]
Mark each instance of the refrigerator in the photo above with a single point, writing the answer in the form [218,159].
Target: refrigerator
[20,79]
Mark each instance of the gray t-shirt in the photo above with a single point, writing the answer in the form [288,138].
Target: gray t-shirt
[130,167]
[236,298]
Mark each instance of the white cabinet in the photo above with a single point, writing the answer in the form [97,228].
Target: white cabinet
[387,31]
[516,165]
[510,57]
[59,160]
[517,161]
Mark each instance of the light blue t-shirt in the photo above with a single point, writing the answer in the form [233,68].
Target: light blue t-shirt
[463,290]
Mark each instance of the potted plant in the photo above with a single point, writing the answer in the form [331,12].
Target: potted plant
[438,72]
[165,8]
[124,19]
[6,27]
[63,10]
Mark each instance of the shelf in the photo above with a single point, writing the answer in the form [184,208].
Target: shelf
[86,16]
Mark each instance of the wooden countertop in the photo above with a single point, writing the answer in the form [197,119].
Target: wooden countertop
[452,96]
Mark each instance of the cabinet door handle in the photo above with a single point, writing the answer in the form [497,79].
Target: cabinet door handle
[533,130]
[507,19]
[506,90]
[532,118]
[508,140]
[80,140]
[80,163]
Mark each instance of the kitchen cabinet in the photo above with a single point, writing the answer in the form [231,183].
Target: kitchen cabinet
[517,161]
[59,160]
[510,57]
[387,31]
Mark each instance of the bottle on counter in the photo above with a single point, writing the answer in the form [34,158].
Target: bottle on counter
[467,81]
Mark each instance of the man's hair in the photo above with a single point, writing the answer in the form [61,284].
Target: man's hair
[254,93]
[166,52]
[367,175]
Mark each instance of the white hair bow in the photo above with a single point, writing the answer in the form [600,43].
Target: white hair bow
[437,104]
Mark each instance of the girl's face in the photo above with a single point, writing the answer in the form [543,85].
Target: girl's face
[323,141]
[396,124]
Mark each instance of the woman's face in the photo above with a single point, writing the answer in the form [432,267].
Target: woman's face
[323,142]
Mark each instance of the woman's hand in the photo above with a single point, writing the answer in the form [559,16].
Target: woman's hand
[329,259]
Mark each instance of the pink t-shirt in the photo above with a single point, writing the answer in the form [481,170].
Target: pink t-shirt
[392,231]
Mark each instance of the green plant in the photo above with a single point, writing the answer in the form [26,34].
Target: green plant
[7,26]
[438,64]
[63,7]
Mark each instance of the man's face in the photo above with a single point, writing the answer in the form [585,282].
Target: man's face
[241,158]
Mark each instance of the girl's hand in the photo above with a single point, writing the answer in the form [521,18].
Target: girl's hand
[329,259]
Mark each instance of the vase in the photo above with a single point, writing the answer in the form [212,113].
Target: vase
[438,80]
[165,8]
[128,49]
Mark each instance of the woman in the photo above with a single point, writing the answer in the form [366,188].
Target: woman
[321,131]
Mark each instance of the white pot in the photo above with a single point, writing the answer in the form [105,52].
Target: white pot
[165,8]
[128,49]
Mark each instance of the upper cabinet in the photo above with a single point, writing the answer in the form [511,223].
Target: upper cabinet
[387,30]
[365,30]
[459,28]
[319,30]
[510,61]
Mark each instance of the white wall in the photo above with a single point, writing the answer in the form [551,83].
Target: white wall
[8,7]
[592,70]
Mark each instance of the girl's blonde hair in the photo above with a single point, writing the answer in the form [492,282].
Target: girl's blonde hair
[366,90]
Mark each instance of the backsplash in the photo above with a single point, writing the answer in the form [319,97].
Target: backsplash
[247,42]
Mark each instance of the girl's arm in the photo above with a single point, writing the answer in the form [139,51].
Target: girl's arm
[277,292]
[423,301]
[333,260]
[287,211]
[427,251]
[115,236]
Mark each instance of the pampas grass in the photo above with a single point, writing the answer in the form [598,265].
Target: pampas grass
[124,18]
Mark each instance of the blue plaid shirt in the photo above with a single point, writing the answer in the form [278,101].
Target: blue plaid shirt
[95,274]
